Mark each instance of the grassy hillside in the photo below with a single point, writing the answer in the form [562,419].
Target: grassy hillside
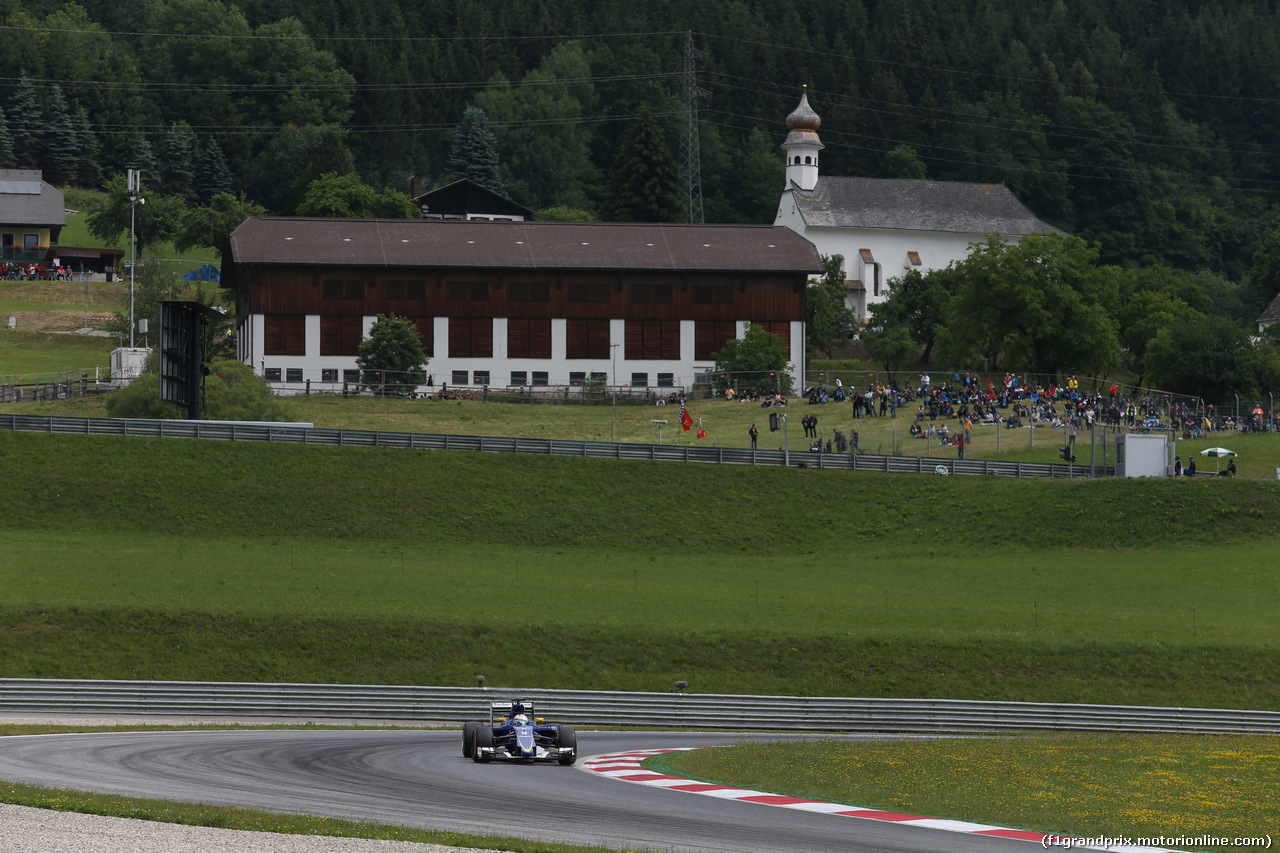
[173,559]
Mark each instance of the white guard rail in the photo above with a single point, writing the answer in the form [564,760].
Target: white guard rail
[606,708]
[282,434]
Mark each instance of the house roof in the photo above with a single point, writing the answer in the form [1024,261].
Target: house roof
[917,205]
[1271,315]
[25,199]
[519,245]
[464,196]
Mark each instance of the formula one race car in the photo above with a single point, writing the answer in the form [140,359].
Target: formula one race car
[513,732]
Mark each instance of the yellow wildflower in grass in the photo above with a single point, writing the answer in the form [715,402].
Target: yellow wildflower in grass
[1075,784]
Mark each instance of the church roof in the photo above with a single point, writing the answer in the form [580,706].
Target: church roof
[915,205]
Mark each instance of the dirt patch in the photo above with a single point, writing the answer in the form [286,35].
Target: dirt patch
[57,321]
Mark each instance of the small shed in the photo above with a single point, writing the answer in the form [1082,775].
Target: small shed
[1143,455]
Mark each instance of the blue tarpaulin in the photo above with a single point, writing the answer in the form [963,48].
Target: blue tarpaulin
[208,272]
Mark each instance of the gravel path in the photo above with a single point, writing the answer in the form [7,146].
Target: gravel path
[27,830]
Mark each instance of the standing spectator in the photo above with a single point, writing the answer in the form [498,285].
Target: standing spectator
[754,433]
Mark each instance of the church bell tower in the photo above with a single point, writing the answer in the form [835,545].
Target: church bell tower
[802,145]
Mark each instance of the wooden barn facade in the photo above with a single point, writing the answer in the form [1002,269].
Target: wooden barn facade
[512,303]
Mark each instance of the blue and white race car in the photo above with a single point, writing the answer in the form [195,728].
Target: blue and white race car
[513,732]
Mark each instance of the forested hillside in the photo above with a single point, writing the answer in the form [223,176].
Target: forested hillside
[1146,126]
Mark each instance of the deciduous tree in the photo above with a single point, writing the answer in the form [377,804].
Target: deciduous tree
[829,321]
[391,358]
[758,359]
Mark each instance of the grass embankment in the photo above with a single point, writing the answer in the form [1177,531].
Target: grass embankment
[1178,787]
[429,567]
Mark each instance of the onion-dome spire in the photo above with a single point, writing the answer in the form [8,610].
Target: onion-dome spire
[803,117]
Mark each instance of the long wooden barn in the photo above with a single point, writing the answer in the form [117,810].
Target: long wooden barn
[512,303]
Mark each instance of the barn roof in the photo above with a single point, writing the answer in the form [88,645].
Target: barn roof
[917,205]
[519,245]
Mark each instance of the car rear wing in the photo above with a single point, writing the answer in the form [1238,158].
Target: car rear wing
[500,711]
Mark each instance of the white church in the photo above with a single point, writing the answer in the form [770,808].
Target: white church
[886,226]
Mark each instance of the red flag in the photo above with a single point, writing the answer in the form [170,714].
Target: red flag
[702,433]
[686,420]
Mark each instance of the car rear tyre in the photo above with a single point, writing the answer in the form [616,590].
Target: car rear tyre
[468,738]
[483,738]
[568,740]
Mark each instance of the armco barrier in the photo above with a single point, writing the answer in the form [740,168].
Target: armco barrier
[602,708]
[287,434]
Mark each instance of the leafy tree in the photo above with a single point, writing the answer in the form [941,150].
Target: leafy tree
[345,196]
[474,154]
[758,356]
[331,156]
[1264,275]
[155,221]
[26,120]
[282,173]
[62,143]
[1041,303]
[565,214]
[1150,301]
[644,185]
[904,162]
[917,302]
[544,139]
[890,347]
[829,321]
[211,225]
[392,350]
[232,392]
[1212,359]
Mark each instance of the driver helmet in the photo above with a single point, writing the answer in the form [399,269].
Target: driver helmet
[521,720]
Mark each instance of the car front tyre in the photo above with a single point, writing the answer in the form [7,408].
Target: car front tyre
[483,739]
[468,738]
[568,740]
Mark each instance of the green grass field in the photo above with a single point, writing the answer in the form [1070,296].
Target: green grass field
[1155,785]
[139,558]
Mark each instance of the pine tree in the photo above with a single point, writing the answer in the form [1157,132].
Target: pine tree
[176,170]
[6,143]
[644,186]
[143,158]
[212,176]
[25,123]
[62,143]
[88,172]
[474,154]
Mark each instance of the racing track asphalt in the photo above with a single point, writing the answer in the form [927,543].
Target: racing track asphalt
[419,778]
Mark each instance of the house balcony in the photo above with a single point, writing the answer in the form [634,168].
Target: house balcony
[36,254]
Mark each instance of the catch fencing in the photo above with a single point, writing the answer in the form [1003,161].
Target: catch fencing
[607,708]
[296,434]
